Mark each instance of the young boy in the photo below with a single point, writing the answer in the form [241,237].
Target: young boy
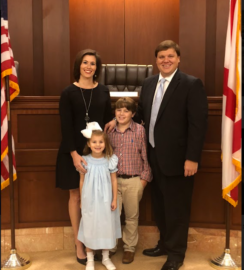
[128,140]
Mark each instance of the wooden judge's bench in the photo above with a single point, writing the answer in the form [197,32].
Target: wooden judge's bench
[37,135]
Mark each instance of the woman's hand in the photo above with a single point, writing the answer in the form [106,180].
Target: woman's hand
[110,126]
[77,160]
[114,205]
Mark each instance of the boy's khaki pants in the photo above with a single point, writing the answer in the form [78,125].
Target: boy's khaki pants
[129,194]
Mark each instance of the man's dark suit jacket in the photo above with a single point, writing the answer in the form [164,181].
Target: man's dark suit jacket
[181,122]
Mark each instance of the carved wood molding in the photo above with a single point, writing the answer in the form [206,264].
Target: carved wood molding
[214,103]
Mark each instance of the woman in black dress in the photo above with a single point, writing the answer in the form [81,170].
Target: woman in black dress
[83,101]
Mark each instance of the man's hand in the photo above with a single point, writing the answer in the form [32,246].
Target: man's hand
[77,160]
[190,167]
[110,126]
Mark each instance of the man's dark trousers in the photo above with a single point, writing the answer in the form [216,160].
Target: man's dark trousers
[171,198]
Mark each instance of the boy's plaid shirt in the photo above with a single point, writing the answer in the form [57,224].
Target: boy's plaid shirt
[130,147]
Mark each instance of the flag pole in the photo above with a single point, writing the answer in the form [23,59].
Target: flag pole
[15,260]
[10,156]
[225,261]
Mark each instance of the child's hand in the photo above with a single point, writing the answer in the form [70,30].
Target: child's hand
[113,205]
[144,183]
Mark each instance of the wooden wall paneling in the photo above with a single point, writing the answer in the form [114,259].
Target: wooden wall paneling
[37,129]
[40,132]
[221,30]
[5,206]
[211,13]
[56,47]
[146,214]
[208,181]
[192,37]
[41,200]
[207,203]
[20,18]
[203,26]
[36,157]
[211,160]
[38,67]
[148,206]
[213,139]
[32,102]
[147,23]
[213,136]
[40,204]
[98,25]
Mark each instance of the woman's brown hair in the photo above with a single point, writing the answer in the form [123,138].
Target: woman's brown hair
[78,60]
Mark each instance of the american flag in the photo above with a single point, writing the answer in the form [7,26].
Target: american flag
[231,115]
[7,69]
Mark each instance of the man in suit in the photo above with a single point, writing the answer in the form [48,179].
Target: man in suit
[173,106]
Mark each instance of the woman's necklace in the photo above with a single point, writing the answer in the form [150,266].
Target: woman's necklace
[87,118]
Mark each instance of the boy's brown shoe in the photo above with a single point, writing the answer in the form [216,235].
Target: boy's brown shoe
[128,257]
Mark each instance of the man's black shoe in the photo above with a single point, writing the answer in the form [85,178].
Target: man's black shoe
[154,252]
[172,265]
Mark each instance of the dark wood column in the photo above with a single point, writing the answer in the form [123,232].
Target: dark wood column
[39,33]
[146,25]
[97,25]
[202,33]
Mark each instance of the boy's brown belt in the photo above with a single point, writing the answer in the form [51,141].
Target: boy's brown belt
[126,176]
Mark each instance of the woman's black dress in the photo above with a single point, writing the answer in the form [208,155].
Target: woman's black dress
[72,113]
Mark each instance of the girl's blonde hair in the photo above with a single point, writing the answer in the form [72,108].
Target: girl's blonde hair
[108,150]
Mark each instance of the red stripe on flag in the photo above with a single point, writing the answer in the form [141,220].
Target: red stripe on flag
[230,97]
[230,104]
[3,112]
[4,171]
[232,11]
[237,136]
[4,47]
[4,143]
[14,79]
[4,31]
[234,193]
[6,65]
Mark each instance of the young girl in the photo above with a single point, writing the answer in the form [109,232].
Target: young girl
[100,222]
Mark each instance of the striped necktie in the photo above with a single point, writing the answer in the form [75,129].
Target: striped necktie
[154,113]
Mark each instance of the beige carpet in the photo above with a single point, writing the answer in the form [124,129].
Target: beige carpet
[66,260]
